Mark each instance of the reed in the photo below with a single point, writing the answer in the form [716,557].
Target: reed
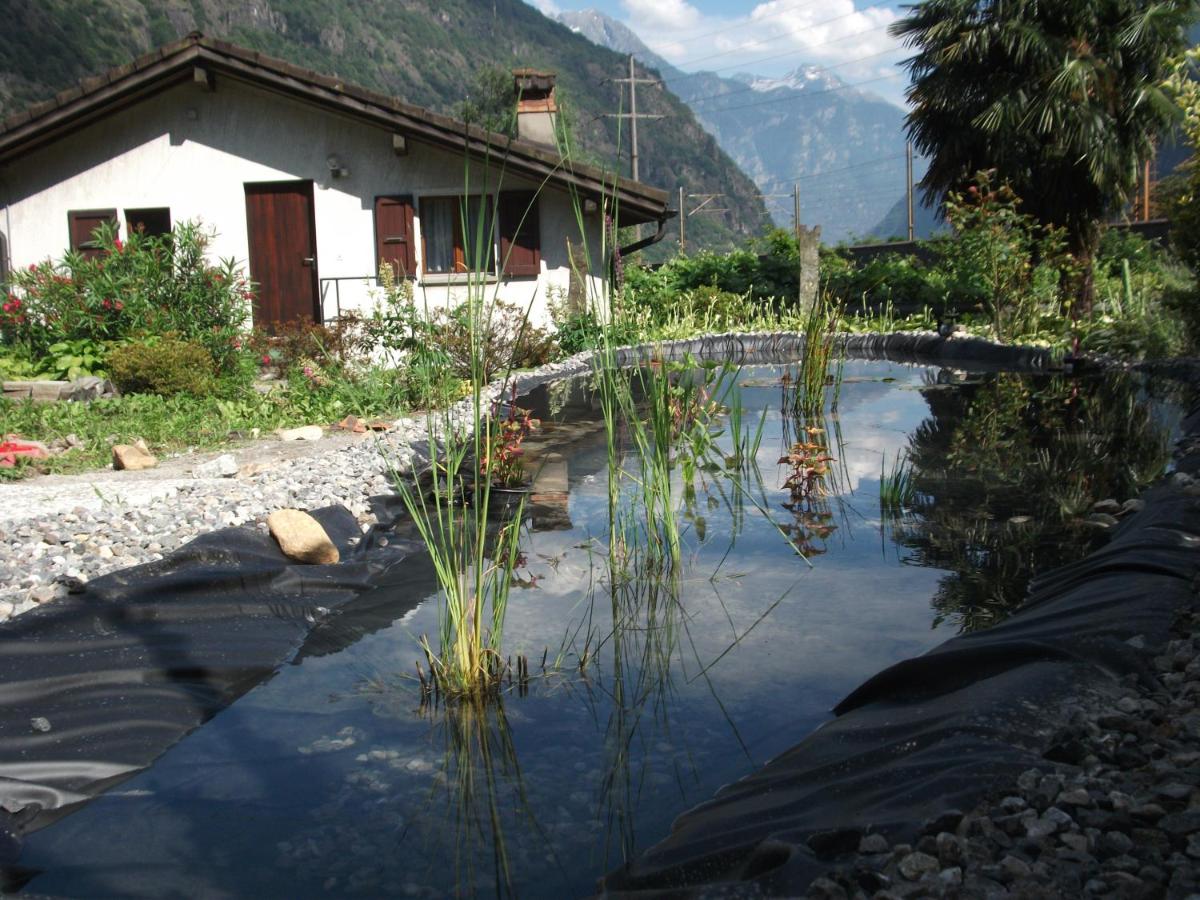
[821,348]
[897,489]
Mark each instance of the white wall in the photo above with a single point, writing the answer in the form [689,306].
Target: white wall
[193,152]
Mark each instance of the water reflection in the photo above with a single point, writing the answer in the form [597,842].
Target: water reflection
[1005,469]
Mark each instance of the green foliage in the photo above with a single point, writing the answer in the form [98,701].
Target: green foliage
[503,339]
[71,359]
[492,101]
[164,366]
[146,286]
[1000,259]
[1064,100]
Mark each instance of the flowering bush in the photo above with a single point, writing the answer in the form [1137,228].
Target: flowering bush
[145,286]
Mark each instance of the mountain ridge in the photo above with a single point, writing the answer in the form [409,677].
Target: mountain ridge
[428,53]
[788,130]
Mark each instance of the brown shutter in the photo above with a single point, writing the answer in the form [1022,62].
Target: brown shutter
[82,224]
[520,234]
[394,235]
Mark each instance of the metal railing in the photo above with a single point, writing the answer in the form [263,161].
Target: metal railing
[334,286]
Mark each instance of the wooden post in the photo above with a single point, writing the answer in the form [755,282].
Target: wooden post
[682,219]
[908,187]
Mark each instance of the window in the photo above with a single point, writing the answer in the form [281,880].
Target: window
[82,225]
[394,235]
[452,230]
[155,222]
[520,234]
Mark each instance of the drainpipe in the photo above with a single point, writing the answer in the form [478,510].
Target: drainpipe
[6,245]
[653,239]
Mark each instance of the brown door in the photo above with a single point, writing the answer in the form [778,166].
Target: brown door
[283,252]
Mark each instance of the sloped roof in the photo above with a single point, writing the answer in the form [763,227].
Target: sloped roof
[100,96]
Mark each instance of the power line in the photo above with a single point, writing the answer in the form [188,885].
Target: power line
[633,81]
[808,94]
[849,62]
[695,37]
[804,50]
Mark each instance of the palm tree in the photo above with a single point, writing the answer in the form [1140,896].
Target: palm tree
[1063,98]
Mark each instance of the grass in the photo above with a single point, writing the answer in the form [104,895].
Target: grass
[183,422]
[897,489]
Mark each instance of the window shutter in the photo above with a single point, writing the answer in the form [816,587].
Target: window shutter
[82,225]
[520,234]
[394,235]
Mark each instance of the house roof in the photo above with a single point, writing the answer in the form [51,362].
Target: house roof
[202,59]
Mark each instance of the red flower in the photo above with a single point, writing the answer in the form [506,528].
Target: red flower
[118,246]
[266,360]
[119,305]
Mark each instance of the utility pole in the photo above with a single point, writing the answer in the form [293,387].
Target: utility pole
[796,211]
[908,186]
[633,115]
[682,227]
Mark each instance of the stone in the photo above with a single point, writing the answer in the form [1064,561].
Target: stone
[301,537]
[873,843]
[1111,507]
[1013,868]
[914,865]
[40,723]
[133,457]
[303,433]
[1076,797]
[224,466]
[1132,506]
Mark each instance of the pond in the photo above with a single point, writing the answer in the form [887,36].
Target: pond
[332,778]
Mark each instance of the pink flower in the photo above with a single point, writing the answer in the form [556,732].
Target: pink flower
[266,360]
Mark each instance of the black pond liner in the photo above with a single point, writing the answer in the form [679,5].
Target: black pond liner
[100,684]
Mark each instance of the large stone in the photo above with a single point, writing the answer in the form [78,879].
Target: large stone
[133,457]
[224,466]
[301,537]
[304,433]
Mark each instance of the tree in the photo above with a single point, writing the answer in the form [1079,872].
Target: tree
[1062,98]
[1185,206]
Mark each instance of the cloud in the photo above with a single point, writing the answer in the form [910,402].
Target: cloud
[843,36]
[648,16]
[545,7]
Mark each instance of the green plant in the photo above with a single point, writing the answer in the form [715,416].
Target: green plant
[166,367]
[71,359]
[498,338]
[145,286]
[1063,100]
[502,461]
[896,486]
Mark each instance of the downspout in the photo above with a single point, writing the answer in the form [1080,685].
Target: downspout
[649,241]
[6,246]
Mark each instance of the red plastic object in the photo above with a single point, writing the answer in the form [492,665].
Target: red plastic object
[12,447]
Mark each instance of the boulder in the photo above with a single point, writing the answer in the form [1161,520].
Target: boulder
[134,457]
[301,537]
[224,466]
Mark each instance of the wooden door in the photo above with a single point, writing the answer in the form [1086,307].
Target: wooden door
[283,252]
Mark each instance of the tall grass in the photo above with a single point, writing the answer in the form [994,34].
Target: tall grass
[897,488]
[821,348]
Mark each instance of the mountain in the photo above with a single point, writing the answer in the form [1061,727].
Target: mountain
[427,52]
[783,129]
[894,225]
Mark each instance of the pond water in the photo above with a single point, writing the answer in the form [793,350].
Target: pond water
[331,779]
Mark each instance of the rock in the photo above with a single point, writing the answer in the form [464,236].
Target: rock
[304,433]
[1101,520]
[301,537]
[133,457]
[1076,797]
[40,723]
[1110,507]
[1132,506]
[224,466]
[914,865]
[873,843]
[1013,868]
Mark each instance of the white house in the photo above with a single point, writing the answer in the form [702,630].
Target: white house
[310,182]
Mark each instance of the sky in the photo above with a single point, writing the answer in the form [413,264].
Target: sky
[848,38]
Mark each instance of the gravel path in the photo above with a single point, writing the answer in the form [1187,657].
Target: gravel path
[59,531]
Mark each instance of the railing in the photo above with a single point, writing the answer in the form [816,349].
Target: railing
[333,286]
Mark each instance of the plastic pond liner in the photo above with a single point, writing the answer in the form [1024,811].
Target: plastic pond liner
[318,771]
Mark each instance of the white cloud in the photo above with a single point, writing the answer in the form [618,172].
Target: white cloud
[545,7]
[775,37]
[648,16]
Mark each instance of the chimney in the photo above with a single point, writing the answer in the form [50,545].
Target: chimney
[536,109]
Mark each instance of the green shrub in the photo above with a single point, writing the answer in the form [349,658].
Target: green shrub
[165,366]
[507,340]
[145,286]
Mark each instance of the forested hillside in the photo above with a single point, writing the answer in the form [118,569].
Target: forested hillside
[427,52]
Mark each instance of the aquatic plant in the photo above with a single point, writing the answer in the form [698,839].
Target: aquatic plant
[896,485]
[821,348]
